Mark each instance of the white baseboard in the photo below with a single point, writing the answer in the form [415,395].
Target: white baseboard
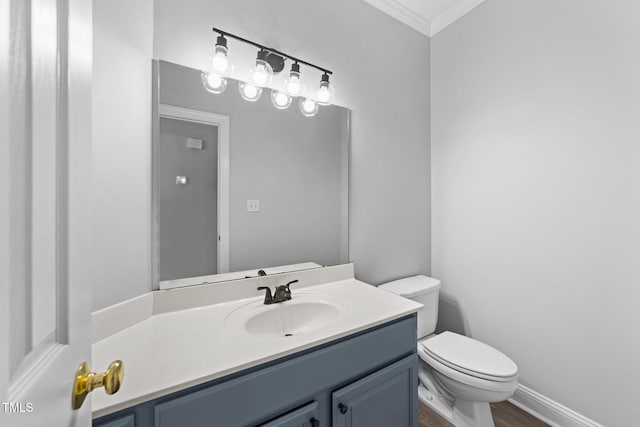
[549,411]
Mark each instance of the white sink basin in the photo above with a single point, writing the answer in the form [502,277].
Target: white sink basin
[303,314]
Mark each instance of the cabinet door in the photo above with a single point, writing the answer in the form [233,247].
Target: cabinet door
[127,421]
[388,397]
[307,416]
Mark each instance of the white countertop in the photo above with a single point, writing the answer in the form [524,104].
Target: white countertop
[172,351]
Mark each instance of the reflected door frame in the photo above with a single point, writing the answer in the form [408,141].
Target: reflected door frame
[222,123]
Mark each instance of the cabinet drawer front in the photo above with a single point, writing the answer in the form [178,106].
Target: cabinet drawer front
[301,417]
[128,421]
[265,393]
[388,397]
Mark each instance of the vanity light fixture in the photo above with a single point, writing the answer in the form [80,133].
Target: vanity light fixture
[269,62]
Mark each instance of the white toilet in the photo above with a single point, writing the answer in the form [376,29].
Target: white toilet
[458,375]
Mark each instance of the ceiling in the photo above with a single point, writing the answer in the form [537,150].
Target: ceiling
[426,16]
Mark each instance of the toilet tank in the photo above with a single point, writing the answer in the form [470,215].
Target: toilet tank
[424,290]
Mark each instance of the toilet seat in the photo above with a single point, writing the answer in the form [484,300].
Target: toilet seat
[469,380]
[469,357]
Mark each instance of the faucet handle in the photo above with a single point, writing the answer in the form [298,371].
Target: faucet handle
[290,283]
[268,299]
[287,290]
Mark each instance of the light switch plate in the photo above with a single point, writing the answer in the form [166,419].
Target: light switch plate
[253,205]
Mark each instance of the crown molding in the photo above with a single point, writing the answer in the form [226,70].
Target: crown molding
[451,15]
[403,14]
[397,10]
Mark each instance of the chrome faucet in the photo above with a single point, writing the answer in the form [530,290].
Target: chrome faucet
[282,293]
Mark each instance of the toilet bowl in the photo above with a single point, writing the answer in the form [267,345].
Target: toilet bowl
[459,376]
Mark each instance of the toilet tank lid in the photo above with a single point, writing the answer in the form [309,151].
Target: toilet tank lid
[410,287]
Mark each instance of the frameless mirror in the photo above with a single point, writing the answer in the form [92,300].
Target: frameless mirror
[241,186]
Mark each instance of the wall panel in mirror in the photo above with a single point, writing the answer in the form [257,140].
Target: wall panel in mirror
[295,167]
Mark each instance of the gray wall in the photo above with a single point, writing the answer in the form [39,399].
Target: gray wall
[381,74]
[188,213]
[121,145]
[290,163]
[536,207]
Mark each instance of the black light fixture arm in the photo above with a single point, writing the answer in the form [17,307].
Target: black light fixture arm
[277,52]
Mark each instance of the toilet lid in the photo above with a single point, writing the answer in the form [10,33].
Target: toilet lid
[410,287]
[472,357]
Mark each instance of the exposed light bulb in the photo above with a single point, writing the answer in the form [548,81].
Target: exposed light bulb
[220,60]
[213,82]
[323,94]
[250,92]
[326,92]
[261,73]
[294,83]
[280,100]
[294,86]
[308,107]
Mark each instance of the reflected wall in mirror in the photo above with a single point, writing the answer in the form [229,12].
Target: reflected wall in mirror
[286,177]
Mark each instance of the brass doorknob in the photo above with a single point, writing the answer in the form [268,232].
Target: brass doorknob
[86,381]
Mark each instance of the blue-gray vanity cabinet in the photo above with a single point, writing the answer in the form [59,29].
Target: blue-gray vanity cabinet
[385,398]
[380,362]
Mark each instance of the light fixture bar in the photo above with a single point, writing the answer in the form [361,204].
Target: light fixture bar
[277,52]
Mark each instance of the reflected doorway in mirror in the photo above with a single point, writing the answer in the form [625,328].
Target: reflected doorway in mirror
[188,247]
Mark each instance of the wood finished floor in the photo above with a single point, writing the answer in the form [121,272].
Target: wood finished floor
[504,414]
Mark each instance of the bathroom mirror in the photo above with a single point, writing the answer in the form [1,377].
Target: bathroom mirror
[241,186]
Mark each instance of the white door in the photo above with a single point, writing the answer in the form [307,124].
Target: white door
[45,150]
